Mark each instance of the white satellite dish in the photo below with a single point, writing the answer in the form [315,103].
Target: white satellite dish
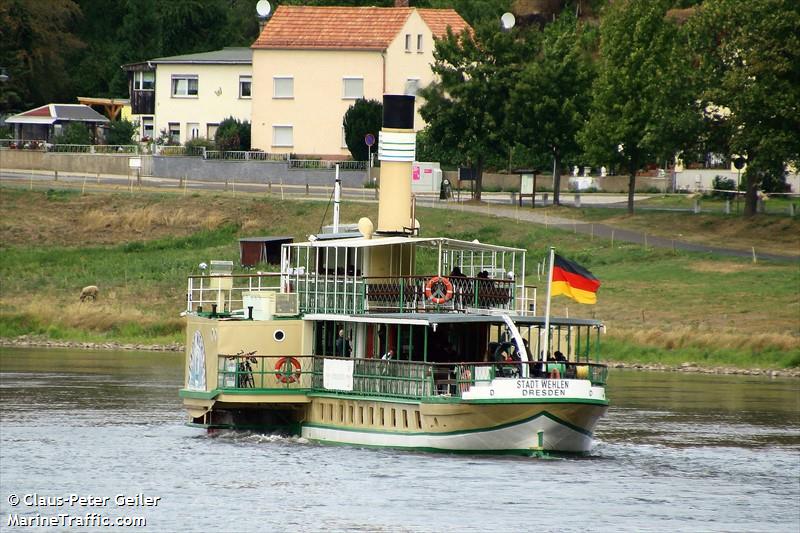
[508,21]
[263,8]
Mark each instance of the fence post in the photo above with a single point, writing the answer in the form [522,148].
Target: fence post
[577,199]
[55,175]
[727,206]
[696,206]
[792,209]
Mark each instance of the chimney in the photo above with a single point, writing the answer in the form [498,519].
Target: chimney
[396,151]
[400,3]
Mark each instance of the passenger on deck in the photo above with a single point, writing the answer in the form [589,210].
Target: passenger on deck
[560,356]
[456,272]
[342,346]
[388,355]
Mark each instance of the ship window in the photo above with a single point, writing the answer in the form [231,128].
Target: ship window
[279,335]
[405,418]
[321,411]
[341,413]
[419,419]
[330,412]
[394,418]
[383,422]
[350,414]
[371,416]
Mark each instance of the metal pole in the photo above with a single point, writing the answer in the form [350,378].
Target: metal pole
[547,308]
[337,193]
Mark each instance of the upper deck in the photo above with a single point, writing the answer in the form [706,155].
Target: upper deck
[393,274]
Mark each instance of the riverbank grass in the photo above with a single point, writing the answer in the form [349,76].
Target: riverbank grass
[658,305]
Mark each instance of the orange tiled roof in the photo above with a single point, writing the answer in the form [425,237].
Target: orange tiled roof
[363,28]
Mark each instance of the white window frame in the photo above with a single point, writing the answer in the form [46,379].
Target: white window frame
[415,81]
[419,43]
[275,128]
[408,43]
[345,79]
[208,133]
[344,141]
[188,78]
[192,130]
[169,131]
[245,78]
[275,94]
[152,124]
[138,80]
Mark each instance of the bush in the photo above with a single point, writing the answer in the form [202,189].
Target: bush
[196,146]
[73,133]
[720,184]
[233,134]
[122,132]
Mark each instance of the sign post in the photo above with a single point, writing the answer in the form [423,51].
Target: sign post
[369,140]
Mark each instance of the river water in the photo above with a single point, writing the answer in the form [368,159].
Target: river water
[677,452]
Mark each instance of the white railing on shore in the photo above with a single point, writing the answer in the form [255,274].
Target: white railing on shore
[326,164]
[241,155]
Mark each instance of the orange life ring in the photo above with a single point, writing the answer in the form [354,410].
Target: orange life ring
[283,373]
[443,291]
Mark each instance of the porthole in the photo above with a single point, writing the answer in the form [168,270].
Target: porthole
[279,335]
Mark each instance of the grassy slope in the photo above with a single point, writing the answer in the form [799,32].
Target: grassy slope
[658,305]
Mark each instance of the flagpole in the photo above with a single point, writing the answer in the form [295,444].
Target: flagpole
[547,309]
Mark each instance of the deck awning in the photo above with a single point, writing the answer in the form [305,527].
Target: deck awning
[428,319]
[431,242]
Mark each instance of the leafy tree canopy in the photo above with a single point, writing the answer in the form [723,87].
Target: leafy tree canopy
[361,118]
[642,109]
[233,135]
[122,132]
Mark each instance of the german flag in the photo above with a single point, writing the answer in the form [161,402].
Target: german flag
[573,281]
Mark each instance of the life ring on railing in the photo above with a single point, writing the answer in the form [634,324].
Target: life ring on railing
[287,370]
[438,289]
[554,373]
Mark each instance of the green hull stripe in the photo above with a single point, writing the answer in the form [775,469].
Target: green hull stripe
[544,454]
[452,433]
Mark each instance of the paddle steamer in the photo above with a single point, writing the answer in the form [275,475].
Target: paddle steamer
[384,337]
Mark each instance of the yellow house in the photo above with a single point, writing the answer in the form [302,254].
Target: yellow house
[310,64]
[187,96]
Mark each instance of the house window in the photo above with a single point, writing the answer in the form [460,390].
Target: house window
[353,88]
[144,80]
[412,86]
[245,84]
[282,136]
[211,130]
[174,132]
[283,87]
[408,42]
[192,130]
[419,42]
[184,85]
[344,139]
[148,128]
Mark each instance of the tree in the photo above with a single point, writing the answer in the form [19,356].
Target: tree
[642,108]
[747,58]
[361,118]
[36,38]
[74,133]
[550,101]
[122,132]
[233,135]
[466,109]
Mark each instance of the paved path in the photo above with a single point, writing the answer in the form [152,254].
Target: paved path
[44,179]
